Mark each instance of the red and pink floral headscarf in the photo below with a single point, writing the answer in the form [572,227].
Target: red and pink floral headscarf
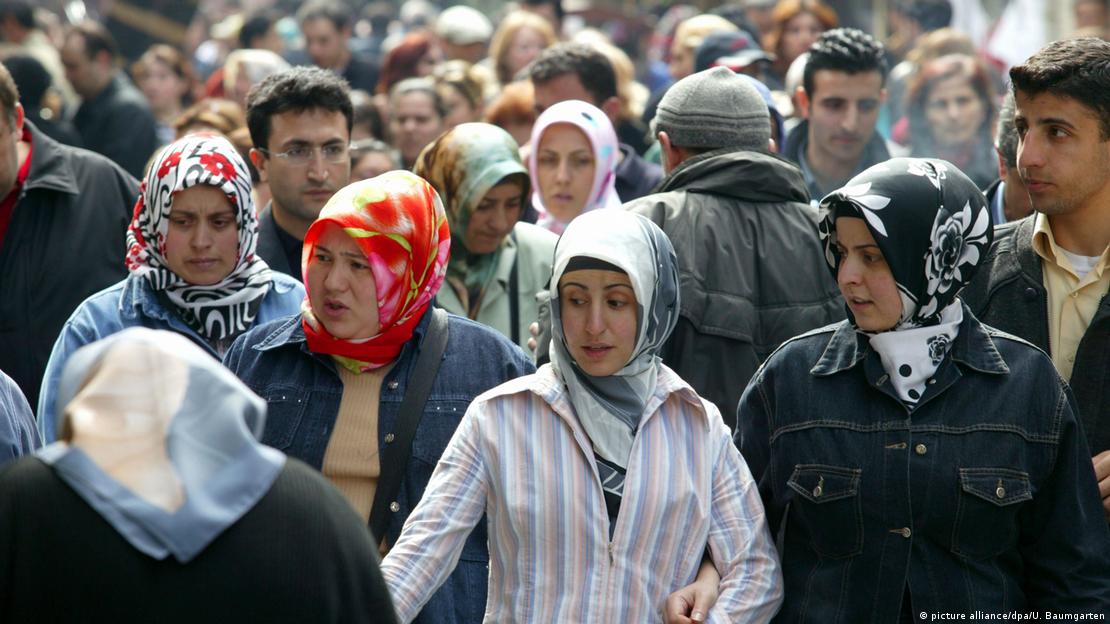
[399,222]
[223,310]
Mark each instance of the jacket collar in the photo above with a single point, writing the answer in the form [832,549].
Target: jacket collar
[50,168]
[269,244]
[974,348]
[1014,254]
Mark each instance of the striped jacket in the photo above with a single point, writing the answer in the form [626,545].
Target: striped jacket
[521,456]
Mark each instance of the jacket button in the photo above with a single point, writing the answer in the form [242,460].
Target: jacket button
[920,449]
[388,438]
[394,507]
[882,380]
[1030,293]
[393,385]
[905,532]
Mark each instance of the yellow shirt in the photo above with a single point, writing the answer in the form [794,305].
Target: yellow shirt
[1072,302]
[351,459]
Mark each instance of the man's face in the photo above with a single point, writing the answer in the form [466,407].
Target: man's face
[10,132]
[301,190]
[1062,156]
[325,44]
[842,110]
[558,89]
[682,60]
[414,124]
[81,71]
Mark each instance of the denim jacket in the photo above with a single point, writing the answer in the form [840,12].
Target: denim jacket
[303,391]
[981,498]
[133,303]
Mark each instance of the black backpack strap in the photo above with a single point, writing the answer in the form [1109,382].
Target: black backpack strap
[395,455]
[514,296]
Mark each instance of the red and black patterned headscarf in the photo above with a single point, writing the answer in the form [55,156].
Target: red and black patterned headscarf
[221,311]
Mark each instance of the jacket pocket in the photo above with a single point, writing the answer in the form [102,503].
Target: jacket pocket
[827,508]
[285,407]
[988,502]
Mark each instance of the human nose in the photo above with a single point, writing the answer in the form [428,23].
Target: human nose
[334,278]
[850,121]
[317,166]
[1030,154]
[499,220]
[848,274]
[562,172]
[202,236]
[595,320]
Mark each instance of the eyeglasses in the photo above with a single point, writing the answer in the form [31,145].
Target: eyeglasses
[302,155]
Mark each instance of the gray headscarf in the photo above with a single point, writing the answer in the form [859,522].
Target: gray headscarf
[211,423]
[610,408]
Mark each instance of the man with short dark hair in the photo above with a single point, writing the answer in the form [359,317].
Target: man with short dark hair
[1046,276]
[114,118]
[300,124]
[840,99]
[748,253]
[1007,197]
[326,25]
[578,71]
[64,214]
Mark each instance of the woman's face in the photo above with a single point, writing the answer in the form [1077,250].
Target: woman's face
[427,63]
[202,240]
[865,279]
[341,286]
[459,110]
[798,34]
[523,49]
[370,165]
[415,123]
[598,310]
[162,87]
[955,112]
[494,217]
[565,166]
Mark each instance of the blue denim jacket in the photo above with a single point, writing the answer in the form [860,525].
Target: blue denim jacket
[18,435]
[133,303]
[981,498]
[303,392]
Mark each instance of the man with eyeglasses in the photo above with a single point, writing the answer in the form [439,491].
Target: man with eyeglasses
[300,125]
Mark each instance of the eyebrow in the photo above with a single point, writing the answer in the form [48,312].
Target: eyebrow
[295,141]
[182,212]
[607,287]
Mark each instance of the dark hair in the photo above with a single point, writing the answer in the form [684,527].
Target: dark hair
[425,85]
[845,50]
[557,5]
[96,37]
[1073,68]
[366,112]
[933,72]
[30,78]
[402,61]
[9,94]
[257,25]
[929,14]
[22,10]
[298,89]
[1006,136]
[592,67]
[335,11]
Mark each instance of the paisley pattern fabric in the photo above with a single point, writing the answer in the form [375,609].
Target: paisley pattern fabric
[463,164]
[603,138]
[399,222]
[220,311]
[933,227]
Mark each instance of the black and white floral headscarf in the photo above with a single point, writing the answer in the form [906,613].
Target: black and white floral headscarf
[933,227]
[223,310]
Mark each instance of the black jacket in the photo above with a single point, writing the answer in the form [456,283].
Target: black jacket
[874,153]
[1008,293]
[752,271]
[271,246]
[64,243]
[118,124]
[635,177]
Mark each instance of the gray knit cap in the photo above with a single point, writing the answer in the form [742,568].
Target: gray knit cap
[711,109]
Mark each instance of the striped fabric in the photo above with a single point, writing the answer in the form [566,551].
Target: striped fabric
[521,457]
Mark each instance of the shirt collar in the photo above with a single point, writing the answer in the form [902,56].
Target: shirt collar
[1044,243]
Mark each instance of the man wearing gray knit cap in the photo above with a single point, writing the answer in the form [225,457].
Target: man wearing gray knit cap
[751,270]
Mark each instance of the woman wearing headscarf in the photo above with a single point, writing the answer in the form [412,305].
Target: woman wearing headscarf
[567,463]
[498,263]
[573,163]
[912,459]
[192,263]
[159,504]
[337,376]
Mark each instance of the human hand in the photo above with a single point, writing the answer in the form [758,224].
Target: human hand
[533,329]
[1102,475]
[692,603]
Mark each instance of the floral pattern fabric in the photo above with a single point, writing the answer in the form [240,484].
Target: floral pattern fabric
[399,222]
[933,227]
[220,311]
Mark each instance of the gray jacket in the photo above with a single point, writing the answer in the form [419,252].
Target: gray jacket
[1008,293]
[752,271]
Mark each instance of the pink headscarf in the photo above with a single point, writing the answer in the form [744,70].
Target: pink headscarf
[598,129]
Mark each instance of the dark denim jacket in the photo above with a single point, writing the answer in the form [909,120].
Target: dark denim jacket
[303,392]
[983,498]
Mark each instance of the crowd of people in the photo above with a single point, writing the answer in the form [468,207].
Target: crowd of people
[413,315]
